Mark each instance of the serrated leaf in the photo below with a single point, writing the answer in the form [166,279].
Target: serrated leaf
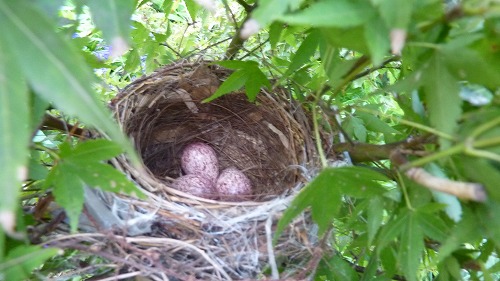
[375,215]
[336,268]
[304,52]
[324,194]
[339,13]
[464,231]
[392,229]
[105,177]
[411,247]
[355,127]
[377,39]
[275,31]
[15,130]
[397,14]
[432,226]
[267,11]
[441,88]
[192,8]
[92,151]
[233,83]
[373,123]
[255,81]
[113,18]
[22,260]
[68,192]
[54,68]
[467,64]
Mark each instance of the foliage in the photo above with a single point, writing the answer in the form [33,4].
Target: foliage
[407,83]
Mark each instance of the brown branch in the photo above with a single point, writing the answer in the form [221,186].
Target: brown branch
[53,123]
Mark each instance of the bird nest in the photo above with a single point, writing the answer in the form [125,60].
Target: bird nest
[184,237]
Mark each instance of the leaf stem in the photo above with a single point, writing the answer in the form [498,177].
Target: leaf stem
[51,152]
[317,136]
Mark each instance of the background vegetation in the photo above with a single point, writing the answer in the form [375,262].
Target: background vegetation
[411,86]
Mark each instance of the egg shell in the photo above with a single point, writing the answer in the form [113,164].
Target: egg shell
[233,185]
[197,185]
[200,159]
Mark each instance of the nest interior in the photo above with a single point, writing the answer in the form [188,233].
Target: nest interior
[195,238]
[165,113]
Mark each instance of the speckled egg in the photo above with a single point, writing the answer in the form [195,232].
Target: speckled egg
[200,159]
[197,185]
[233,185]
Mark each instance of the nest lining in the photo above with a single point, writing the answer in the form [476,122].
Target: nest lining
[196,238]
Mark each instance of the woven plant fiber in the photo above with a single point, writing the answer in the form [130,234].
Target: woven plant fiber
[192,238]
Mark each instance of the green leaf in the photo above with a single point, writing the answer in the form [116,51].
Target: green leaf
[247,73]
[192,8]
[113,18]
[15,133]
[233,83]
[433,226]
[54,68]
[397,14]
[441,88]
[270,10]
[105,177]
[335,268]
[471,65]
[92,151]
[82,166]
[373,123]
[481,170]
[68,192]
[324,194]
[275,31]
[255,81]
[377,39]
[339,13]
[304,52]
[392,229]
[22,260]
[375,215]
[411,248]
[354,126]
[464,231]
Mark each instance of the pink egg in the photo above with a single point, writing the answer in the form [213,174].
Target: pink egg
[233,185]
[200,159]
[197,185]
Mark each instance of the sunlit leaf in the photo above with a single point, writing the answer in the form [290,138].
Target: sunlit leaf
[339,13]
[192,8]
[113,18]
[268,11]
[248,74]
[52,66]
[15,132]
[304,52]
